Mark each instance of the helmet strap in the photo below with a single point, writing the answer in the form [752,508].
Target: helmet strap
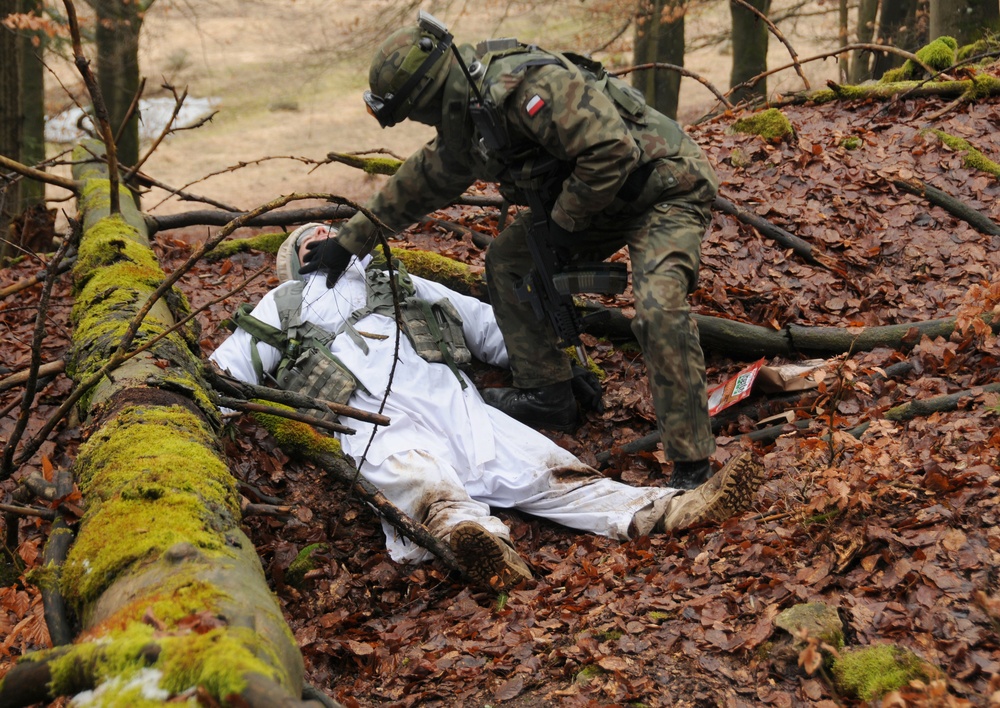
[395,100]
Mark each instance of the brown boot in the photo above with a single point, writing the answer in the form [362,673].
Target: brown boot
[730,491]
[487,558]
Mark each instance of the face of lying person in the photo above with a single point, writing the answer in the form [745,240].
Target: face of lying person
[320,233]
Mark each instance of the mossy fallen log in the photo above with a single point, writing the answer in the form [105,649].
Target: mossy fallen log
[169,592]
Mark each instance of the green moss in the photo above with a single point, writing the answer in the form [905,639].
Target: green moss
[295,437]
[983,86]
[872,672]
[267,243]
[985,45]
[371,165]
[307,559]
[739,158]
[152,479]
[770,124]
[218,660]
[852,142]
[44,577]
[433,266]
[938,55]
[382,165]
[589,673]
[820,620]
[973,158]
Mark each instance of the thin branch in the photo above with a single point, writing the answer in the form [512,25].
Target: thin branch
[781,38]
[832,53]
[178,104]
[240,405]
[6,466]
[680,70]
[234,387]
[113,362]
[100,109]
[38,175]
[131,111]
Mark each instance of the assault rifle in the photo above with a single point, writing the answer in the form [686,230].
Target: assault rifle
[550,286]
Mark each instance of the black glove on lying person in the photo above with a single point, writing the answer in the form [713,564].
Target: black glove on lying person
[326,255]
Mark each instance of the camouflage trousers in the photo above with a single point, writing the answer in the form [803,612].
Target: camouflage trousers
[664,246]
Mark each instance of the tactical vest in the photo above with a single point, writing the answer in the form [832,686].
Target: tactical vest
[307,366]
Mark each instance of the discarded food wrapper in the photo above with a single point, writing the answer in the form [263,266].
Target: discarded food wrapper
[786,378]
[733,390]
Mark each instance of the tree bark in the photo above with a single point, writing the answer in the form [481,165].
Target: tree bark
[965,20]
[860,59]
[897,25]
[750,40]
[659,38]
[118,25]
[160,576]
[10,121]
[31,48]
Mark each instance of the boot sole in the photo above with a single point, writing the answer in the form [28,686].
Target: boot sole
[743,477]
[483,557]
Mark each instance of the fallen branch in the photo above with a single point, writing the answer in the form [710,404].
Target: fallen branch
[53,604]
[937,404]
[45,370]
[963,211]
[233,387]
[250,407]
[416,532]
[778,234]
[26,283]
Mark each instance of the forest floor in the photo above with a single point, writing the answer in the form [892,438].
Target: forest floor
[896,528]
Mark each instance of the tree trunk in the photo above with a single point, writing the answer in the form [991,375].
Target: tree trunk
[31,48]
[161,576]
[965,20]
[659,38]
[750,39]
[118,25]
[897,25]
[861,60]
[10,121]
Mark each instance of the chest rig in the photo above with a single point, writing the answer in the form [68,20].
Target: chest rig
[307,366]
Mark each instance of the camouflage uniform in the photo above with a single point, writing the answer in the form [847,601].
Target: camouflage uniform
[631,177]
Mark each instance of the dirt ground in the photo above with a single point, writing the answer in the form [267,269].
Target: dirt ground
[286,89]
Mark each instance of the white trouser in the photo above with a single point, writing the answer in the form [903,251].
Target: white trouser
[534,476]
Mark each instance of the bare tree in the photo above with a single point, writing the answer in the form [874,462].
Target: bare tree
[750,39]
[659,38]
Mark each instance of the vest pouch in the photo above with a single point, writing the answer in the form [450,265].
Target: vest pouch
[450,323]
[318,375]
[435,331]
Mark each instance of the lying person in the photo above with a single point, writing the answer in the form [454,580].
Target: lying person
[446,457]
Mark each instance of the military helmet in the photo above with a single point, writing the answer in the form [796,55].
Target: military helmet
[408,70]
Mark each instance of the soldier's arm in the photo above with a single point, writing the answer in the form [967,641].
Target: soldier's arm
[556,108]
[424,182]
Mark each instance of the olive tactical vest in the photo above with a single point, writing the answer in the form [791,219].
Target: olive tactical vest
[307,366]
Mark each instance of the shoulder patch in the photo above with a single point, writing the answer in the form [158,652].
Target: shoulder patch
[534,104]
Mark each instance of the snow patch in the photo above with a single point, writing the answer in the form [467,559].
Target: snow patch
[153,116]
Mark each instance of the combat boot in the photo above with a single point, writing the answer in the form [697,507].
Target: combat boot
[486,558]
[690,474]
[729,492]
[552,406]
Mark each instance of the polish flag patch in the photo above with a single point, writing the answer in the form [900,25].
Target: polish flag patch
[534,104]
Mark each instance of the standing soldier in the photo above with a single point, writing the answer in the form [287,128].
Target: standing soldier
[560,134]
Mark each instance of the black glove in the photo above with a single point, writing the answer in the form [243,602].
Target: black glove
[587,389]
[561,238]
[327,255]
